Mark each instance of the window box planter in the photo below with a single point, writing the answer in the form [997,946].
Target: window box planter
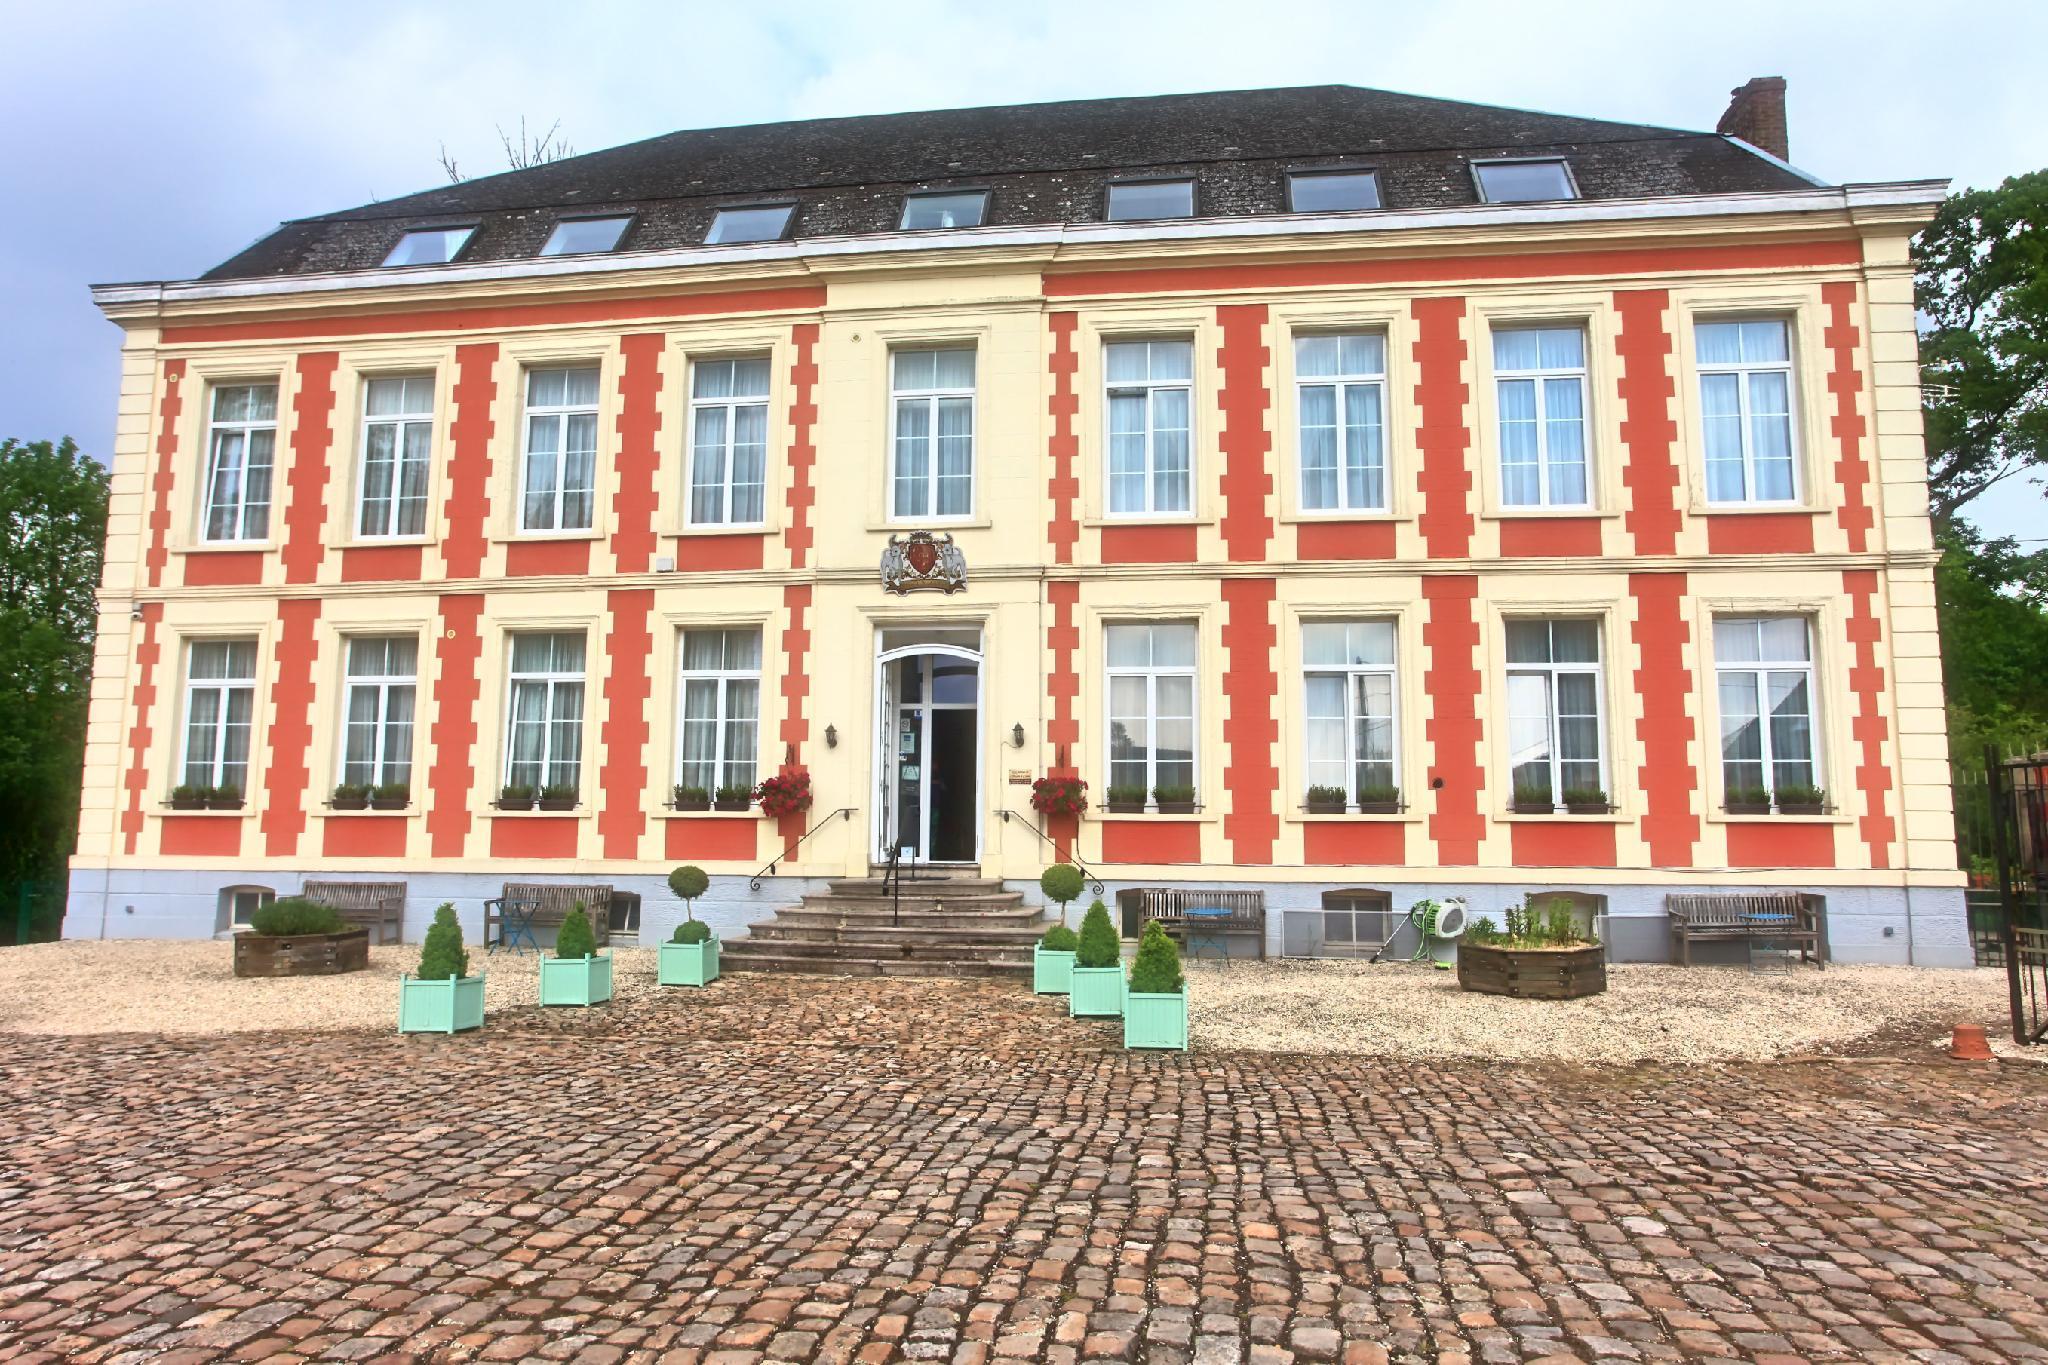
[688,799]
[1095,992]
[1324,807]
[1174,801]
[225,800]
[515,798]
[1802,808]
[1533,973]
[687,964]
[576,980]
[448,1006]
[1747,807]
[349,800]
[1379,808]
[302,954]
[394,802]
[1051,970]
[1533,807]
[557,803]
[188,800]
[1589,807]
[733,803]
[1156,1020]
[1124,807]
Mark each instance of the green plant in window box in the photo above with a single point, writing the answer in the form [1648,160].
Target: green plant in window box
[734,798]
[391,796]
[690,957]
[188,796]
[1177,799]
[1801,798]
[1379,798]
[350,796]
[1586,801]
[1097,981]
[692,798]
[1748,801]
[558,796]
[226,797]
[578,974]
[1325,801]
[1124,798]
[516,796]
[1533,800]
[443,998]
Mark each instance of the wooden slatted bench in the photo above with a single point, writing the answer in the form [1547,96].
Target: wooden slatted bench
[1790,917]
[376,906]
[1197,918]
[553,905]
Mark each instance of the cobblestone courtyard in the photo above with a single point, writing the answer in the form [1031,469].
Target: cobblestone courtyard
[836,1170]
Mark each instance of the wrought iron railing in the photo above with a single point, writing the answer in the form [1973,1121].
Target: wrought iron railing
[1069,854]
[789,851]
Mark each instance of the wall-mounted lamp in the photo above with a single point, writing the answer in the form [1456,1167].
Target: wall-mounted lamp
[831,736]
[1017,735]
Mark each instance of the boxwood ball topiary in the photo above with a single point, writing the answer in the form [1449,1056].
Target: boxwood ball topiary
[575,939]
[688,882]
[1098,946]
[1059,939]
[443,955]
[295,916]
[1156,969]
[692,931]
[1061,883]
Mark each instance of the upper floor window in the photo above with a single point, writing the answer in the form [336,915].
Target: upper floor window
[1348,667]
[1332,191]
[579,236]
[1540,380]
[1745,370]
[721,700]
[558,489]
[1764,669]
[952,209]
[932,393]
[220,708]
[398,439]
[544,739]
[379,687]
[1554,713]
[753,223]
[1340,394]
[1523,180]
[430,246]
[1152,671]
[1131,200]
[1150,441]
[728,441]
[241,453]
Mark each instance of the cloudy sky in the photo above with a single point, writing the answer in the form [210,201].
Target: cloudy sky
[150,141]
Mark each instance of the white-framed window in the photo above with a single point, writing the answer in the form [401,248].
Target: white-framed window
[1763,667]
[1151,440]
[558,490]
[1516,180]
[1152,680]
[586,236]
[1349,728]
[380,685]
[718,731]
[220,708]
[932,424]
[1745,367]
[1332,191]
[398,443]
[241,446]
[238,906]
[749,223]
[729,441]
[1340,384]
[1135,200]
[1539,381]
[544,741]
[1556,735]
[943,209]
[430,246]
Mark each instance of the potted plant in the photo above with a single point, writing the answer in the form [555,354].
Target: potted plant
[1379,798]
[298,937]
[1059,796]
[1156,1005]
[692,798]
[444,997]
[1052,957]
[786,793]
[1175,799]
[350,796]
[1325,801]
[1533,800]
[516,796]
[558,796]
[1124,798]
[577,974]
[1801,798]
[1586,801]
[1542,954]
[187,796]
[391,796]
[227,797]
[1096,983]
[690,958]
[733,798]
[1748,801]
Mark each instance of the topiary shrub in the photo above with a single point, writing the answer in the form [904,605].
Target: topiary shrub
[295,916]
[1061,884]
[688,882]
[1156,969]
[443,955]
[574,938]
[1060,939]
[691,931]
[1098,945]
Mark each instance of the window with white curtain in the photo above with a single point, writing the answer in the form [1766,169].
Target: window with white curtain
[220,707]
[1540,385]
[380,685]
[932,406]
[1152,677]
[1764,668]
[728,441]
[544,741]
[558,490]
[1340,386]
[398,441]
[1745,368]
[1151,444]
[718,738]
[1554,709]
[1348,667]
[241,448]
[953,209]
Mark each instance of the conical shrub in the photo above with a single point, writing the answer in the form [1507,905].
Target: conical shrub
[1099,945]
[442,955]
[1156,969]
[575,939]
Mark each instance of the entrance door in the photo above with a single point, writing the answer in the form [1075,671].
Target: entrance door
[930,774]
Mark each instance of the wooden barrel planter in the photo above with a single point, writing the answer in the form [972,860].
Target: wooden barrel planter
[1533,973]
[302,954]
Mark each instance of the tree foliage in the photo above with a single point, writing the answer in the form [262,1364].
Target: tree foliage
[1061,884]
[442,955]
[1156,969]
[1098,945]
[1994,644]
[575,938]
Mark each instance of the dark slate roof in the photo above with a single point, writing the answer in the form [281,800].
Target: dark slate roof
[1043,163]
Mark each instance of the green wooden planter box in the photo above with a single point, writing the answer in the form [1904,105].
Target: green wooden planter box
[576,980]
[1156,1020]
[448,1006]
[1051,970]
[1096,991]
[688,964]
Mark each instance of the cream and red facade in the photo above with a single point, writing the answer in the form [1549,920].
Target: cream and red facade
[1049,568]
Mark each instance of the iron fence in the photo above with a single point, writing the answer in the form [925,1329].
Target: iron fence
[31,912]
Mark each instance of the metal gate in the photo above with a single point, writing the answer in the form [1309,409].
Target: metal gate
[31,912]
[2018,791]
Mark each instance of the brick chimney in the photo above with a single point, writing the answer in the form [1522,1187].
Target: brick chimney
[1756,114]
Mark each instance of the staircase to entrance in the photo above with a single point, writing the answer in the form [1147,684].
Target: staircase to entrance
[926,925]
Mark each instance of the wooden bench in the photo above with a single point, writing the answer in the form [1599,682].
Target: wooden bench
[376,906]
[554,904]
[1195,917]
[1790,917]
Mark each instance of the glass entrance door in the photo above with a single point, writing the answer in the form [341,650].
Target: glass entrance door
[931,800]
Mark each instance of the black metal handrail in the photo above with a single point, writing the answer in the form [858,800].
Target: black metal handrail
[1071,855]
[754,882]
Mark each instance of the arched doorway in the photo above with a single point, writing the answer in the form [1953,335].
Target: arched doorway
[928,744]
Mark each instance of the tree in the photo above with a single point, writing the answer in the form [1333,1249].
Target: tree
[523,154]
[1994,644]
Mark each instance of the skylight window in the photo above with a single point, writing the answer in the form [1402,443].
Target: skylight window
[755,223]
[1134,200]
[430,246]
[961,209]
[581,236]
[1517,182]
[1332,191]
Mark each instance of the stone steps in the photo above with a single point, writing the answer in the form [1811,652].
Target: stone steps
[955,926]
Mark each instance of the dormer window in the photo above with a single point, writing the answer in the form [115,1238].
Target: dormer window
[954,209]
[1136,200]
[1332,191]
[1524,180]
[749,223]
[586,236]
[430,246]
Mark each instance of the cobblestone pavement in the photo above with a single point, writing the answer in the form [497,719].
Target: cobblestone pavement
[795,1170]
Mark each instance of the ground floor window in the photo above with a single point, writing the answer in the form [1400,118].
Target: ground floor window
[1348,668]
[377,736]
[721,700]
[544,747]
[1152,682]
[1554,711]
[220,709]
[1764,671]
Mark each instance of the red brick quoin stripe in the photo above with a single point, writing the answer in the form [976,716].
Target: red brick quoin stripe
[291,733]
[1442,437]
[1250,728]
[453,735]
[1454,731]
